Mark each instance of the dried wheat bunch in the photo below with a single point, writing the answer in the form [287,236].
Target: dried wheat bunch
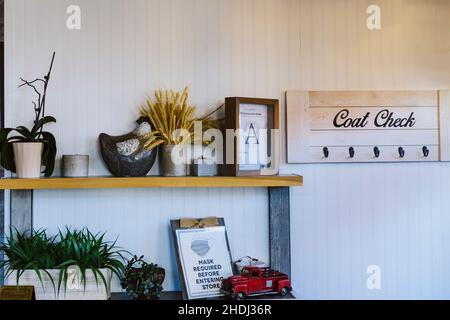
[170,112]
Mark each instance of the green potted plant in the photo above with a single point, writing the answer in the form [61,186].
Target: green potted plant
[27,151]
[73,265]
[142,280]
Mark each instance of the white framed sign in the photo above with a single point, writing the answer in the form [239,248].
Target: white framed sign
[253,147]
[204,259]
[367,126]
[254,120]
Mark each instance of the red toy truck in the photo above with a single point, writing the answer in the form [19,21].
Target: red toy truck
[256,281]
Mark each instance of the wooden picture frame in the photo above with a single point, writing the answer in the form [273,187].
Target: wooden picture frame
[184,277]
[233,120]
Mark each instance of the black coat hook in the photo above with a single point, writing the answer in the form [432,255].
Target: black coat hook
[401,152]
[351,152]
[426,151]
[376,152]
[326,152]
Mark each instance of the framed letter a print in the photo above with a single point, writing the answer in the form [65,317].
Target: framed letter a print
[252,136]
[204,259]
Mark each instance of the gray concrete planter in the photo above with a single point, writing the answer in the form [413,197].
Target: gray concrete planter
[173,160]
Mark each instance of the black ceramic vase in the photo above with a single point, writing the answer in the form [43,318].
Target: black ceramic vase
[124,156]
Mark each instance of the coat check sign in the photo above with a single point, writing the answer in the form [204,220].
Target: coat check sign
[368,126]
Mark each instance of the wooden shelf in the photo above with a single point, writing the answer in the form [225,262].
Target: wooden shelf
[151,182]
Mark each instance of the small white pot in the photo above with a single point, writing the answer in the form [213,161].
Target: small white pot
[28,159]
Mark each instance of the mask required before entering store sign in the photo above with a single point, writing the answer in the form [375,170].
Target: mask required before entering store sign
[368,126]
[204,258]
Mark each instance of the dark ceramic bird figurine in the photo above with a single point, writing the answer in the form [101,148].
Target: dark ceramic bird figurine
[124,155]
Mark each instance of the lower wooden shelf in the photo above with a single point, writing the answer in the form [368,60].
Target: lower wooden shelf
[177,295]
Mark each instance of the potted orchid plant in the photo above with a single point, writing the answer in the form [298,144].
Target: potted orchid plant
[26,151]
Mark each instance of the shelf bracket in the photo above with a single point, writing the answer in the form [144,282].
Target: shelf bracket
[21,213]
[279,229]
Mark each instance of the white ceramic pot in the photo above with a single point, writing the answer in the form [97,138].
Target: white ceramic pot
[28,159]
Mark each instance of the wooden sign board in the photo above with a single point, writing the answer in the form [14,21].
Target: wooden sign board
[367,126]
[17,293]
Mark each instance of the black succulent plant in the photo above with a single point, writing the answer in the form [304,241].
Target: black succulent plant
[141,280]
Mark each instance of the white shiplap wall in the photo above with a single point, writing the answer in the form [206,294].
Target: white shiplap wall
[345,218]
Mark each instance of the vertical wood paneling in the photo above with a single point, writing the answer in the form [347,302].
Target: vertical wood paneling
[346,218]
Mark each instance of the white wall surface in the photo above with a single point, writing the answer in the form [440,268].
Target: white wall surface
[346,218]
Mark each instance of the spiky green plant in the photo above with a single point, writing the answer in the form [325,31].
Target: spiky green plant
[88,251]
[77,248]
[37,252]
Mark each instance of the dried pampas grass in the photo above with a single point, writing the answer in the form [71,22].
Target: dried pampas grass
[169,113]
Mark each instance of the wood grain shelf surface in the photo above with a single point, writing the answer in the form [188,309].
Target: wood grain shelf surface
[151,182]
[177,295]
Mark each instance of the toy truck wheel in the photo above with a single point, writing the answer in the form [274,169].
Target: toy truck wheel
[284,291]
[240,296]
